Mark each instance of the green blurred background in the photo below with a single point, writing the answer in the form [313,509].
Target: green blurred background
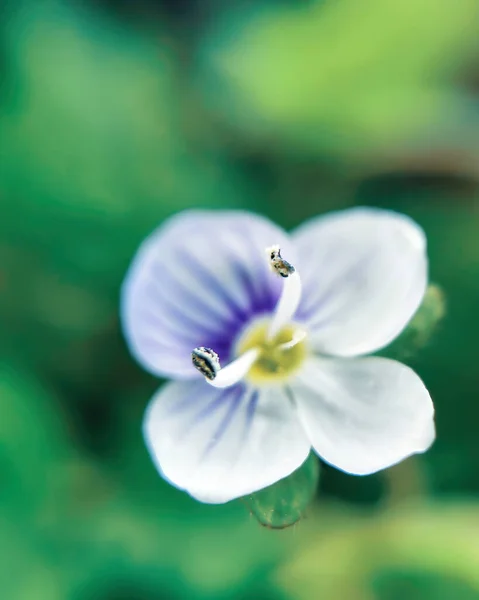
[115,114]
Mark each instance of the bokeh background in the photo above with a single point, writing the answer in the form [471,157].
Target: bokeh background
[114,114]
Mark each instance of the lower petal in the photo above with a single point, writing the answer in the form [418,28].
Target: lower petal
[363,415]
[221,444]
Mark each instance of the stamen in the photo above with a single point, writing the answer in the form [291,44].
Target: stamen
[207,362]
[291,295]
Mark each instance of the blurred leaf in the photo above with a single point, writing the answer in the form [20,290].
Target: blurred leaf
[95,125]
[337,77]
[346,549]
[284,503]
[32,440]
[396,584]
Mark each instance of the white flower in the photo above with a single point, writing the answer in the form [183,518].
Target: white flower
[294,376]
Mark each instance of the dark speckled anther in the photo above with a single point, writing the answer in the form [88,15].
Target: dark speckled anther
[206,361]
[278,263]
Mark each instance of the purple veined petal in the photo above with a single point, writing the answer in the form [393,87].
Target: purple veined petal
[363,414]
[364,274]
[221,444]
[197,281]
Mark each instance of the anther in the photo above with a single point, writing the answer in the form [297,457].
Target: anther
[281,266]
[206,361]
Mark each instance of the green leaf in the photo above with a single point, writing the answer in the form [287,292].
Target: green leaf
[347,550]
[416,584]
[32,440]
[284,503]
[286,73]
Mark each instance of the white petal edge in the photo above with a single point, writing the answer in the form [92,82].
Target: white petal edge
[364,415]
[182,430]
[364,274]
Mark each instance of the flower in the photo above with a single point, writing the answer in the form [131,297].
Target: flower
[278,344]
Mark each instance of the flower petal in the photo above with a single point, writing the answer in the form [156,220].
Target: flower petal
[363,415]
[221,444]
[364,274]
[195,282]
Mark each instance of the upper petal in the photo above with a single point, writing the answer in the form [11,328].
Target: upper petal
[194,282]
[363,415]
[221,444]
[364,274]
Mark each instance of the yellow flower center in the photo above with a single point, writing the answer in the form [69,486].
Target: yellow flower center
[277,361]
